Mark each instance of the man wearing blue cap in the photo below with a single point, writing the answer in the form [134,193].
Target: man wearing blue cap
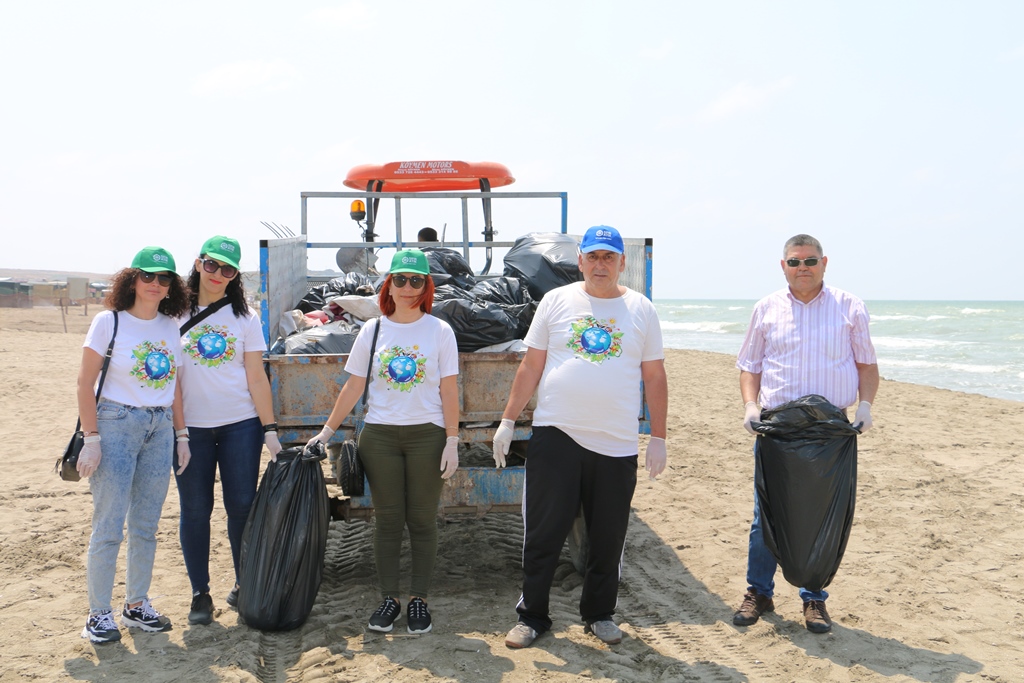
[589,346]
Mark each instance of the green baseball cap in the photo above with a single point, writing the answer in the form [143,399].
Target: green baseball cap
[223,249]
[154,260]
[410,261]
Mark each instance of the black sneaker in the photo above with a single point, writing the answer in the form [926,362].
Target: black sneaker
[232,598]
[383,619]
[202,609]
[417,616]
[101,628]
[145,617]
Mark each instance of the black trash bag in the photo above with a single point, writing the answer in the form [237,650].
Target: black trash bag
[543,261]
[283,545]
[445,292]
[448,267]
[315,299]
[476,323]
[349,283]
[514,298]
[805,472]
[335,337]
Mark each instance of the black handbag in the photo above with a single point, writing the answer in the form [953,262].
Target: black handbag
[67,464]
[350,467]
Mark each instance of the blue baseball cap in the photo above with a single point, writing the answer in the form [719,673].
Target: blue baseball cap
[602,237]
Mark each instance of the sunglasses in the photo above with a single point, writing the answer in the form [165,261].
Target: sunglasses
[417,281]
[211,266]
[164,280]
[809,262]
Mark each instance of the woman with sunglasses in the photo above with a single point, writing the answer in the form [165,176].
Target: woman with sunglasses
[409,443]
[129,435]
[228,410]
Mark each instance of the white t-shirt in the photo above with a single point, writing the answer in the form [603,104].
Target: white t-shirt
[215,390]
[590,388]
[408,364]
[145,361]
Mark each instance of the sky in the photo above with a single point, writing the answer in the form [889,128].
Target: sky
[891,131]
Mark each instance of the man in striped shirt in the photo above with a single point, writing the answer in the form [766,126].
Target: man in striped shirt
[808,338]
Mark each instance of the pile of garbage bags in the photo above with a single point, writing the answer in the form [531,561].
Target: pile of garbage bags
[482,312]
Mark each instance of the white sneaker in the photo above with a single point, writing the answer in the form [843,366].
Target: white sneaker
[520,636]
[606,631]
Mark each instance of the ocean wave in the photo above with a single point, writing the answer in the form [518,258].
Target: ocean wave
[938,365]
[980,311]
[915,343]
[708,326]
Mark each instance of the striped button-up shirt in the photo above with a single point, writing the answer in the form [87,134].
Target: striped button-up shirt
[813,348]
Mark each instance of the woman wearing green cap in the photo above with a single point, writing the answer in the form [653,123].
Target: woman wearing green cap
[409,444]
[129,434]
[228,410]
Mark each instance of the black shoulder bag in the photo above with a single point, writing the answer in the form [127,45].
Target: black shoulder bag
[351,475]
[67,464]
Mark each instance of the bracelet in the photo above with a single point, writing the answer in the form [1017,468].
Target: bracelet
[270,427]
[181,432]
[91,439]
[181,438]
[89,433]
[749,403]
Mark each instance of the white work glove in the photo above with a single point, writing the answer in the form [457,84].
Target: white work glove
[184,454]
[657,454]
[502,441]
[323,437]
[274,444]
[753,414]
[450,457]
[862,420]
[89,456]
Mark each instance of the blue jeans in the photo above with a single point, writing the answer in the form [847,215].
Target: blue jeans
[129,484]
[761,563]
[236,450]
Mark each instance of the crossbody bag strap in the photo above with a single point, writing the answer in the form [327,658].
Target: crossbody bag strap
[103,372]
[369,367]
[200,317]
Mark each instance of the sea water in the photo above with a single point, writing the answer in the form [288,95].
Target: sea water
[972,346]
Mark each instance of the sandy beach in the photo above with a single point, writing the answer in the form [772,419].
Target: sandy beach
[931,588]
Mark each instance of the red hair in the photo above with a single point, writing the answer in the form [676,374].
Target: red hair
[425,302]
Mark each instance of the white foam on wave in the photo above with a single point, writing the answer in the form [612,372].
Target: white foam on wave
[912,343]
[957,367]
[979,311]
[712,327]
[884,318]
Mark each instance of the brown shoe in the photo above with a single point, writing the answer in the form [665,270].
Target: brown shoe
[754,605]
[817,617]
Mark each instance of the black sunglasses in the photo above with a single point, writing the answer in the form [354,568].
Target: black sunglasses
[809,262]
[417,281]
[164,280]
[211,266]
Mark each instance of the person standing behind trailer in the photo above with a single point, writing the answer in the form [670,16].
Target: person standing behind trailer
[409,444]
[806,339]
[426,235]
[589,346]
[228,412]
[129,435]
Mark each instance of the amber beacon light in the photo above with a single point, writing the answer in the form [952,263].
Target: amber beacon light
[358,210]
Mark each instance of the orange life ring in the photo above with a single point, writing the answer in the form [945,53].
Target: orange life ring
[427,176]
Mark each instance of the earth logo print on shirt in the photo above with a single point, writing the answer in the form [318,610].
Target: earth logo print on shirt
[210,345]
[402,369]
[154,364]
[595,340]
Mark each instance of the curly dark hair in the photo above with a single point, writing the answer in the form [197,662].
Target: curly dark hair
[235,292]
[122,294]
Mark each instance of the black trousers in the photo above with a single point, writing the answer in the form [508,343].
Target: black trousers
[562,477]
